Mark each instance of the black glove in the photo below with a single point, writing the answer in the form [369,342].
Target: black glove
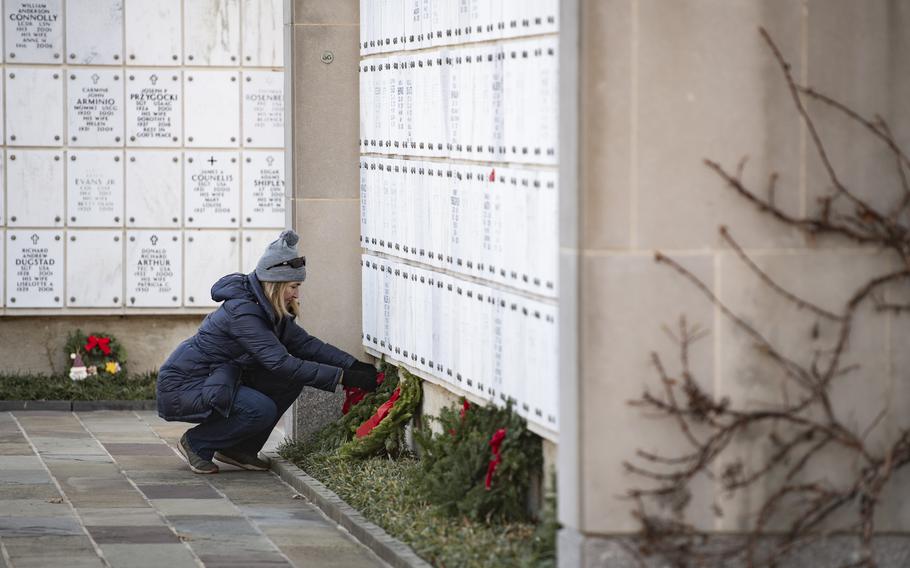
[360,375]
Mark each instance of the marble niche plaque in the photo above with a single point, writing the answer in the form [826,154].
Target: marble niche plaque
[94,32]
[99,253]
[34,104]
[95,107]
[34,188]
[212,32]
[263,189]
[252,245]
[263,109]
[211,189]
[34,269]
[153,108]
[154,267]
[94,188]
[209,256]
[211,109]
[34,31]
[153,32]
[153,182]
[263,36]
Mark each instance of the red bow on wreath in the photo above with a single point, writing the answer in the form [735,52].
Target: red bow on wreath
[353,395]
[381,413]
[495,443]
[102,343]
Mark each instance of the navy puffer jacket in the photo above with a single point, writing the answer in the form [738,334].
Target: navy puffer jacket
[205,371]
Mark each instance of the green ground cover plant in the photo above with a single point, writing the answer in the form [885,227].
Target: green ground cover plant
[440,504]
[120,386]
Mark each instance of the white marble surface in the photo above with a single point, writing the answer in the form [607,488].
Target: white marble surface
[263,38]
[263,109]
[35,188]
[33,31]
[94,188]
[209,256]
[153,188]
[94,268]
[252,245]
[34,106]
[94,32]
[264,201]
[2,189]
[211,189]
[154,268]
[95,107]
[153,32]
[154,107]
[211,108]
[34,268]
[211,31]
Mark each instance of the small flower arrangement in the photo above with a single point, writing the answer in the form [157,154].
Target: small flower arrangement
[94,354]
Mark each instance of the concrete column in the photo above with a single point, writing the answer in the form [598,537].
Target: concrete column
[662,85]
[322,60]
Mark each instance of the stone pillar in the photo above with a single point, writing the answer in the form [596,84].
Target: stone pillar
[322,59]
[662,85]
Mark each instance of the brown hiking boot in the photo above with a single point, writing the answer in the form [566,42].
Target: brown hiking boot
[197,464]
[245,461]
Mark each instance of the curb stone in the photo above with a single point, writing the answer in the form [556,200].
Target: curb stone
[76,405]
[371,535]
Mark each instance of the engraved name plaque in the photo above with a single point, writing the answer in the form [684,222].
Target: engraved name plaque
[263,109]
[211,189]
[263,189]
[153,113]
[101,252]
[154,262]
[34,31]
[94,188]
[95,107]
[34,269]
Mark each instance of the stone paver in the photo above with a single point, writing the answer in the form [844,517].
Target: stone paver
[109,489]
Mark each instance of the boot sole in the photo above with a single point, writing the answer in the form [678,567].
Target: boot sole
[247,466]
[193,469]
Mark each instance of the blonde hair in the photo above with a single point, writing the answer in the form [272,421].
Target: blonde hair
[274,291]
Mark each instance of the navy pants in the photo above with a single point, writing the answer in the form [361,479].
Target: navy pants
[260,402]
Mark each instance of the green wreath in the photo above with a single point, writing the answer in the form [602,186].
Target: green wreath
[97,353]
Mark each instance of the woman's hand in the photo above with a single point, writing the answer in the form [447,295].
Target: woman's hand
[361,375]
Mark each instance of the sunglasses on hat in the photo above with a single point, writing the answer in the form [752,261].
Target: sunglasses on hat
[298,262]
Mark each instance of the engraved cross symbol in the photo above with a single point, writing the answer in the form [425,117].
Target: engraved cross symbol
[270,160]
[153,79]
[154,240]
[95,78]
[211,160]
[35,238]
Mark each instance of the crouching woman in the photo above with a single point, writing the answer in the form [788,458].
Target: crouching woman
[248,362]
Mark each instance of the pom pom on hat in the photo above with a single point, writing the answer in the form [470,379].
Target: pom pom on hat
[282,249]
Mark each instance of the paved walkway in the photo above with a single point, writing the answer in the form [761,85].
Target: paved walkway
[110,489]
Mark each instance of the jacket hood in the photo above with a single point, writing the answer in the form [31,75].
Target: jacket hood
[242,287]
[233,287]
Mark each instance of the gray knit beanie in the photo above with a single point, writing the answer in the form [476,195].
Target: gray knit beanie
[282,249]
